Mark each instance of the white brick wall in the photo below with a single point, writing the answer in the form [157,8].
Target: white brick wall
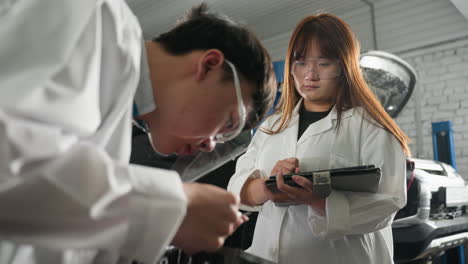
[443,96]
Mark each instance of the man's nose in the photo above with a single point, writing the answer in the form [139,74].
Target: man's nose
[207,145]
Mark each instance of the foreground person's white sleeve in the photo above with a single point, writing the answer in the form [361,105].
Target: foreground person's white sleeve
[358,213]
[59,187]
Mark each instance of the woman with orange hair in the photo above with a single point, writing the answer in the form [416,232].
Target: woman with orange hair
[328,118]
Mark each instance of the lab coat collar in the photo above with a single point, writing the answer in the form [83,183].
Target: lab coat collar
[324,124]
[345,114]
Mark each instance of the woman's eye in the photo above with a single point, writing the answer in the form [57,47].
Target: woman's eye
[300,63]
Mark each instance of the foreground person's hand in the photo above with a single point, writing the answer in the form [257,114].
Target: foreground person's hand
[212,215]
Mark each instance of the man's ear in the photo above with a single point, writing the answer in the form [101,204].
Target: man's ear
[210,60]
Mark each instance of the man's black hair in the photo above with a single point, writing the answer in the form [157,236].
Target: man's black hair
[201,30]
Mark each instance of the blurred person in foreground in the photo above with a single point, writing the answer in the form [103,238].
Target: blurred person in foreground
[73,75]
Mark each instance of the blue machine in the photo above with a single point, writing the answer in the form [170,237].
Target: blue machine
[443,143]
[278,66]
[444,150]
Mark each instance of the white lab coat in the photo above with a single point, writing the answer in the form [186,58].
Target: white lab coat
[357,226]
[69,71]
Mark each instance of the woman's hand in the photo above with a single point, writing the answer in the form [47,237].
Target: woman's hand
[277,197]
[254,191]
[285,166]
[289,194]
[302,195]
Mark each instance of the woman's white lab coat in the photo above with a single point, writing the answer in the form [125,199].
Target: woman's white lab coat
[357,226]
[69,71]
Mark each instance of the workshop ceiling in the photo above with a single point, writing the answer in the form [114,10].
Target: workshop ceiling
[261,16]
[391,25]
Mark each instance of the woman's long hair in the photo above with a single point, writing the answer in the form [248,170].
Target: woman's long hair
[337,41]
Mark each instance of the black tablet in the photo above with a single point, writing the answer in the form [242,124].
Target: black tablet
[364,178]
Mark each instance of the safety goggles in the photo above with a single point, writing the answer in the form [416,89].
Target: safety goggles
[220,137]
[224,137]
[323,68]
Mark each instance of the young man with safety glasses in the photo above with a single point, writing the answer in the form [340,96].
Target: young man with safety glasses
[68,87]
